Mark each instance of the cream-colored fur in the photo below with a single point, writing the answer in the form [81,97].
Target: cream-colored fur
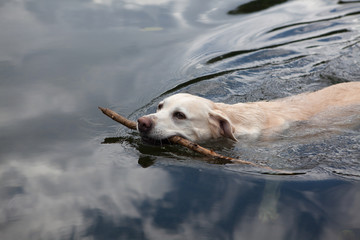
[200,119]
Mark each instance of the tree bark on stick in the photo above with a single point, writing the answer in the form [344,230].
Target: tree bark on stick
[188,144]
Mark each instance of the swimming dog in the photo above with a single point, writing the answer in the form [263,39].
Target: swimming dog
[199,119]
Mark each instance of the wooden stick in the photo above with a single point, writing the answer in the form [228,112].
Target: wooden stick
[118,118]
[189,144]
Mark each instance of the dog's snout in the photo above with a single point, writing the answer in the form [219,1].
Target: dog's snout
[145,124]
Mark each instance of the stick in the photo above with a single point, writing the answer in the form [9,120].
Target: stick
[118,118]
[189,144]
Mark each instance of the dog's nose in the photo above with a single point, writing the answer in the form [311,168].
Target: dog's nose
[144,124]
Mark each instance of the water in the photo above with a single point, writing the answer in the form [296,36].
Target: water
[69,172]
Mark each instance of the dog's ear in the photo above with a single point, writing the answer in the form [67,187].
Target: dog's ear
[219,122]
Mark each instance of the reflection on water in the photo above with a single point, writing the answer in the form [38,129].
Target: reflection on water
[240,52]
[68,172]
[255,6]
[67,201]
[153,203]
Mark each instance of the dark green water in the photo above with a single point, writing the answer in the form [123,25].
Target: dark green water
[69,172]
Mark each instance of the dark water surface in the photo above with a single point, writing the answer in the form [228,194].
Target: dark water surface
[68,172]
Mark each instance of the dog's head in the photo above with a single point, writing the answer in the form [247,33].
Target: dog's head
[191,117]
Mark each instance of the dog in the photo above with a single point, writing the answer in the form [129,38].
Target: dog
[198,119]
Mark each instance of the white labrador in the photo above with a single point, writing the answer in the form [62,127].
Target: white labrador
[199,119]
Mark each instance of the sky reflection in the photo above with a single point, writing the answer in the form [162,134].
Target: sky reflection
[103,201]
[44,201]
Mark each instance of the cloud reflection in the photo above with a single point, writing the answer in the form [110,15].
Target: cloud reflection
[52,200]
[100,201]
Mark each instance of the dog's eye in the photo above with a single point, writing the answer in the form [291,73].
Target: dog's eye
[160,106]
[179,115]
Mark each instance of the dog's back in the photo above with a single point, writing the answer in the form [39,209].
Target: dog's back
[338,95]
[326,105]
[337,105]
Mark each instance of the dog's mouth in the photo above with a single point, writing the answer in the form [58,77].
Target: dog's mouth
[154,141]
[158,142]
